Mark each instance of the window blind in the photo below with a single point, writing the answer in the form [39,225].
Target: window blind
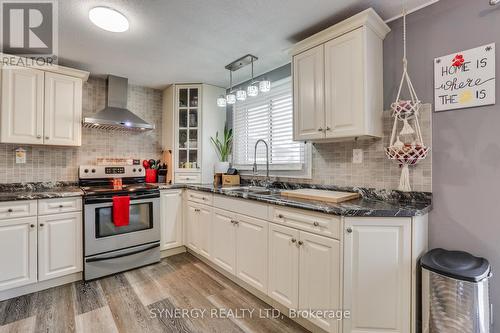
[268,116]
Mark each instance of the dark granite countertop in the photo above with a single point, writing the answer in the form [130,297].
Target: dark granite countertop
[373,203]
[42,190]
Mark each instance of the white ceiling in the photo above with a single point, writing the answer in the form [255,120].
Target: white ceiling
[192,40]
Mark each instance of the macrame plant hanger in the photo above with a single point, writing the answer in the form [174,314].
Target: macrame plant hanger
[407,147]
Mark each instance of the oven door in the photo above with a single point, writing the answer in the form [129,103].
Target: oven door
[101,235]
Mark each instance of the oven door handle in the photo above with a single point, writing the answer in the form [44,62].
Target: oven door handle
[97,200]
[123,254]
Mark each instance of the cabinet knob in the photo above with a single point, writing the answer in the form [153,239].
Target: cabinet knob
[61,206]
[41,225]
[328,128]
[349,230]
[32,226]
[293,240]
[9,210]
[38,136]
[320,129]
[316,224]
[280,216]
[236,222]
[300,243]
[46,138]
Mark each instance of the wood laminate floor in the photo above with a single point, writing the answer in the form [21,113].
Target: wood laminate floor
[180,294]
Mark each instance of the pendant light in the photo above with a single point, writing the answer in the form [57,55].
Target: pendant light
[230,98]
[253,89]
[265,86]
[221,101]
[241,95]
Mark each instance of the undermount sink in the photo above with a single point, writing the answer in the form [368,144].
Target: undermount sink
[250,190]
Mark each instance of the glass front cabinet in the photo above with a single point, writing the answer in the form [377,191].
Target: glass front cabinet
[190,118]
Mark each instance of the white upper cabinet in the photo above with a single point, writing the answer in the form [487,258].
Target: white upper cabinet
[22,105]
[63,110]
[41,106]
[308,86]
[338,80]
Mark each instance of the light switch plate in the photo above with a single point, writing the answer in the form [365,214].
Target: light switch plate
[357,156]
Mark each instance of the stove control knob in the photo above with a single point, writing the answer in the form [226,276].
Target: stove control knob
[86,170]
[93,170]
[134,170]
[140,170]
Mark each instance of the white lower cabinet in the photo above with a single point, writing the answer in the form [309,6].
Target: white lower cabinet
[224,240]
[377,275]
[251,251]
[18,254]
[59,245]
[284,265]
[319,278]
[198,226]
[171,219]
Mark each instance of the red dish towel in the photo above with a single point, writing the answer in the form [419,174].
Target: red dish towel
[121,211]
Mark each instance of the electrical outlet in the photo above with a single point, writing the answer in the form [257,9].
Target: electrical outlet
[357,156]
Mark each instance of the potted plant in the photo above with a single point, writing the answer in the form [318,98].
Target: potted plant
[223,148]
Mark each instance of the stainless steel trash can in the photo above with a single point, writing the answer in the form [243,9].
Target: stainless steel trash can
[455,295]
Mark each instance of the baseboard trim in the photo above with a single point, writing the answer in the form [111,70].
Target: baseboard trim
[257,293]
[39,286]
[172,252]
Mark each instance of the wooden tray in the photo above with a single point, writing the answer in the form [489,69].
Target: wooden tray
[320,195]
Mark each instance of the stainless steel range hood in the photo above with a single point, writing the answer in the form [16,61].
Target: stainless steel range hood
[116,116]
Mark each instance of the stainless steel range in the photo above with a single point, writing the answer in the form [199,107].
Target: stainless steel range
[108,248]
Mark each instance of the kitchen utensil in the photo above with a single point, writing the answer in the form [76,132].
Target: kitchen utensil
[320,195]
[145,164]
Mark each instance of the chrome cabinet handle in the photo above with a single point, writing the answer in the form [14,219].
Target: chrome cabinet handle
[293,240]
[349,230]
[316,224]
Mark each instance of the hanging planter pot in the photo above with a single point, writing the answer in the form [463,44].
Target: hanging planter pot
[407,147]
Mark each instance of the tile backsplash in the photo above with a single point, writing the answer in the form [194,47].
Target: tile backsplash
[45,163]
[332,162]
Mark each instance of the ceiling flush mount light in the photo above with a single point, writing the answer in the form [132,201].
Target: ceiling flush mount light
[108,19]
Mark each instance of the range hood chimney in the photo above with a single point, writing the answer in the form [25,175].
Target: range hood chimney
[116,116]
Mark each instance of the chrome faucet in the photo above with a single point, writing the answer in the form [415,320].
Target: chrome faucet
[255,158]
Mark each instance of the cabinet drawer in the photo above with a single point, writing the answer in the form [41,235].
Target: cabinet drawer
[13,209]
[318,223]
[242,206]
[59,205]
[188,178]
[200,197]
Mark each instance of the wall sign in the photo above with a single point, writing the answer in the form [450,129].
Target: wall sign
[465,79]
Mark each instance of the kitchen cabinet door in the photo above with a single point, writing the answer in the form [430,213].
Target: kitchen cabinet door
[18,254]
[171,219]
[377,274]
[22,105]
[344,85]
[319,277]
[251,251]
[283,265]
[192,229]
[308,100]
[224,240]
[63,110]
[59,245]
[204,229]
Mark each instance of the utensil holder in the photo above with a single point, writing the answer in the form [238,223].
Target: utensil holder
[151,176]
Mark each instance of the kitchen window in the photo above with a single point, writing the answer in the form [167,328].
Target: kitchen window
[269,116]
